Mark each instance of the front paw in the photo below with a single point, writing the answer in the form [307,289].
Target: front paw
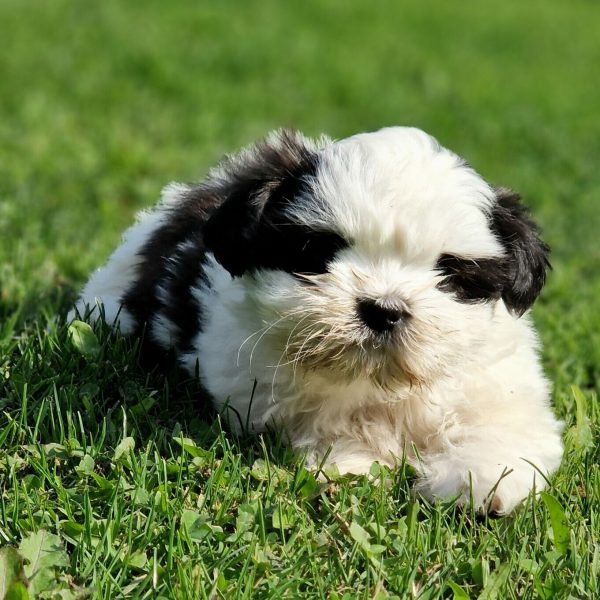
[492,487]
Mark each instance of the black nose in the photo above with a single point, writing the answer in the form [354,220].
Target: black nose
[379,318]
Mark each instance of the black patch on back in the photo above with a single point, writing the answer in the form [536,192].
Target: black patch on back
[184,272]
[176,269]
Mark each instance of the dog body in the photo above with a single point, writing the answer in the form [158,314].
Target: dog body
[367,296]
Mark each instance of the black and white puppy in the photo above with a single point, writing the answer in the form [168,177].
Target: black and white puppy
[368,296]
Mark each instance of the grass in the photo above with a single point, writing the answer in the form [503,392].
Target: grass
[119,484]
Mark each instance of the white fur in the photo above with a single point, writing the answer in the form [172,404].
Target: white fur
[107,285]
[462,397]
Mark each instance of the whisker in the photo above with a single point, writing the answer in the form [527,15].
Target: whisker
[268,328]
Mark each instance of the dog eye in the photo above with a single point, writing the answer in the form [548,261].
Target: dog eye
[472,279]
[310,253]
[295,248]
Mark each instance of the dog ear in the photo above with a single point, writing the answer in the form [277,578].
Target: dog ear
[246,183]
[527,254]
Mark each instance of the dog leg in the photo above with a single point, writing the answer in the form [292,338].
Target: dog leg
[494,467]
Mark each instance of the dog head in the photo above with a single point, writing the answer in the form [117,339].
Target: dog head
[382,256]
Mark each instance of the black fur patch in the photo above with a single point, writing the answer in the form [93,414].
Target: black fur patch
[182,223]
[518,277]
[176,269]
[472,280]
[527,254]
[239,216]
[251,230]
[179,305]
[287,246]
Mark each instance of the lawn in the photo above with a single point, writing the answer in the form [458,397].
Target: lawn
[119,484]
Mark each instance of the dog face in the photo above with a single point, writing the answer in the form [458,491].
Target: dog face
[383,256]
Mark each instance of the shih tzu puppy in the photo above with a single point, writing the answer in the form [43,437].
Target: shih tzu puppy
[367,296]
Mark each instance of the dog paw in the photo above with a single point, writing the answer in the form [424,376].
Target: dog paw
[492,488]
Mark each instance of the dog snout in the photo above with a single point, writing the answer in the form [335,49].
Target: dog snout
[380,317]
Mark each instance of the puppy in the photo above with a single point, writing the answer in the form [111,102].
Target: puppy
[367,296]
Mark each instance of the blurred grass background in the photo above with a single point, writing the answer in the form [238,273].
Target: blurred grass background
[103,103]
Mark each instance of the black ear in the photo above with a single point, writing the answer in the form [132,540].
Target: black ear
[274,167]
[527,254]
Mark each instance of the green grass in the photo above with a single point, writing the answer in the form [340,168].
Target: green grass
[101,105]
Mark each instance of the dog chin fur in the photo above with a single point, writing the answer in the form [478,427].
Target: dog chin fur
[254,276]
